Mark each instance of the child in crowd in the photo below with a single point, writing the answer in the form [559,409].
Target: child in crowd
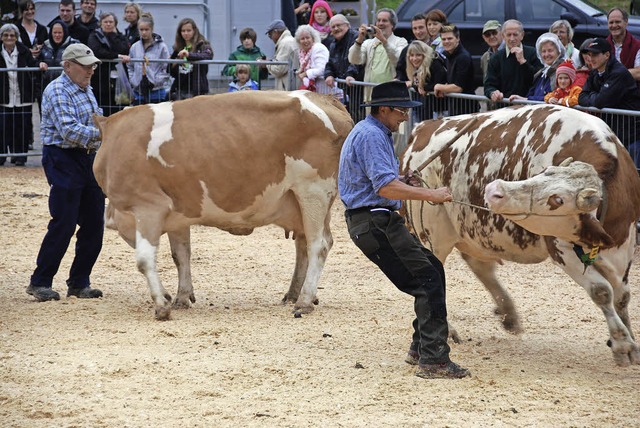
[566,92]
[248,51]
[436,19]
[148,79]
[190,45]
[243,80]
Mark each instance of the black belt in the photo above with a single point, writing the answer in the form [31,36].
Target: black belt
[368,209]
[84,150]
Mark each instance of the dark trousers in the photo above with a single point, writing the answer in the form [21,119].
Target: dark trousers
[74,199]
[382,236]
[16,132]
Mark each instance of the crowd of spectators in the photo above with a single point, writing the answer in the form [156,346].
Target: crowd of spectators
[325,48]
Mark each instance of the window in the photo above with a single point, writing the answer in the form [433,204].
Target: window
[478,11]
[539,10]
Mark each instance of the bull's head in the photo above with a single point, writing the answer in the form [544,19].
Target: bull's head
[561,201]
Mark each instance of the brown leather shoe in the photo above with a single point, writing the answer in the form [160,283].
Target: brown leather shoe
[448,370]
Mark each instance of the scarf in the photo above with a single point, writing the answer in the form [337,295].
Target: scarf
[323,29]
[305,59]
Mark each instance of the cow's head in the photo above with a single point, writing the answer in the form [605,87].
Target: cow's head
[561,201]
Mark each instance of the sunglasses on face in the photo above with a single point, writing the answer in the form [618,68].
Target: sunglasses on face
[402,111]
[86,67]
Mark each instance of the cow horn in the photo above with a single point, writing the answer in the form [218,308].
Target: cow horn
[588,199]
[566,162]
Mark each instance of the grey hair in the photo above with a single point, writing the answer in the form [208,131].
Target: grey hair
[392,15]
[10,27]
[562,23]
[308,29]
[338,17]
[512,22]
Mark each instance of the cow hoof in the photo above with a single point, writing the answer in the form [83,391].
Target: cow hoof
[302,310]
[163,313]
[289,299]
[181,304]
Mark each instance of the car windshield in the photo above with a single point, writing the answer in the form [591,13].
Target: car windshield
[587,7]
[409,9]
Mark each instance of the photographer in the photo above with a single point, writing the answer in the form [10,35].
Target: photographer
[383,49]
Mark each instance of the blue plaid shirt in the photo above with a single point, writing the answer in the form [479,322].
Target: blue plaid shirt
[67,115]
[367,164]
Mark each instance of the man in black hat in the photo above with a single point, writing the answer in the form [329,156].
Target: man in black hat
[611,85]
[372,193]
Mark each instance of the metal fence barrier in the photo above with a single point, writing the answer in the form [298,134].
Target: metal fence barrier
[20,125]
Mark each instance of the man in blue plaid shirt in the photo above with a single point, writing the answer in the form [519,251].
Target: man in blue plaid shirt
[69,143]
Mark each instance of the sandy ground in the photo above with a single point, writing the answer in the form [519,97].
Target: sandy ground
[239,358]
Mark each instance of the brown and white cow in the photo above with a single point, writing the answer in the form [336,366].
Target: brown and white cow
[540,206]
[232,161]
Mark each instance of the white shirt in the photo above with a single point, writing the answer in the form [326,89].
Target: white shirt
[14,90]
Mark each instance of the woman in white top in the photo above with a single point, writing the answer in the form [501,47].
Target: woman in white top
[313,57]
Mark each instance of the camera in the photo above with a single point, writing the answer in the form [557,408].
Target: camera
[371,30]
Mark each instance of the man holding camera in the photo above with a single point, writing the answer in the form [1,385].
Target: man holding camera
[379,54]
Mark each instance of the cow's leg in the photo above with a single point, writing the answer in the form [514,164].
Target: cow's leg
[486,273]
[300,271]
[180,241]
[606,284]
[316,215]
[148,233]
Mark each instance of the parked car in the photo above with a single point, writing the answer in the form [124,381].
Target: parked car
[537,16]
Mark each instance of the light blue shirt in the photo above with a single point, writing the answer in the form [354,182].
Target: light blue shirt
[367,164]
[67,115]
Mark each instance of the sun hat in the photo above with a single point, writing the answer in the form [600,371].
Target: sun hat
[391,94]
[80,53]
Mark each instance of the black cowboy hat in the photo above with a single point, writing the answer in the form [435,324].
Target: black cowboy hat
[391,94]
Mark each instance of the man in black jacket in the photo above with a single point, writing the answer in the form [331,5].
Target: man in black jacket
[66,10]
[611,85]
[338,66]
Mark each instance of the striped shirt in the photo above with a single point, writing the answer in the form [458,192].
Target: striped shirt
[67,115]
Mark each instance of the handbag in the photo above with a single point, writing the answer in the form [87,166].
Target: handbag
[124,91]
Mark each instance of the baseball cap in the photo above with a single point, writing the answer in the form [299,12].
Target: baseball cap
[80,53]
[598,45]
[491,25]
[277,24]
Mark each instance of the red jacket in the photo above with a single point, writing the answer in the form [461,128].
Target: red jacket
[566,97]
[630,46]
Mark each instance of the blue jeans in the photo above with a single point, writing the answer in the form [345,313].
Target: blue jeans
[74,199]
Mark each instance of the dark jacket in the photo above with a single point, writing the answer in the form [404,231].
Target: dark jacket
[27,80]
[460,73]
[92,25]
[51,53]
[41,35]
[132,33]
[615,88]
[76,30]
[510,77]
[106,46]
[195,82]
[338,65]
